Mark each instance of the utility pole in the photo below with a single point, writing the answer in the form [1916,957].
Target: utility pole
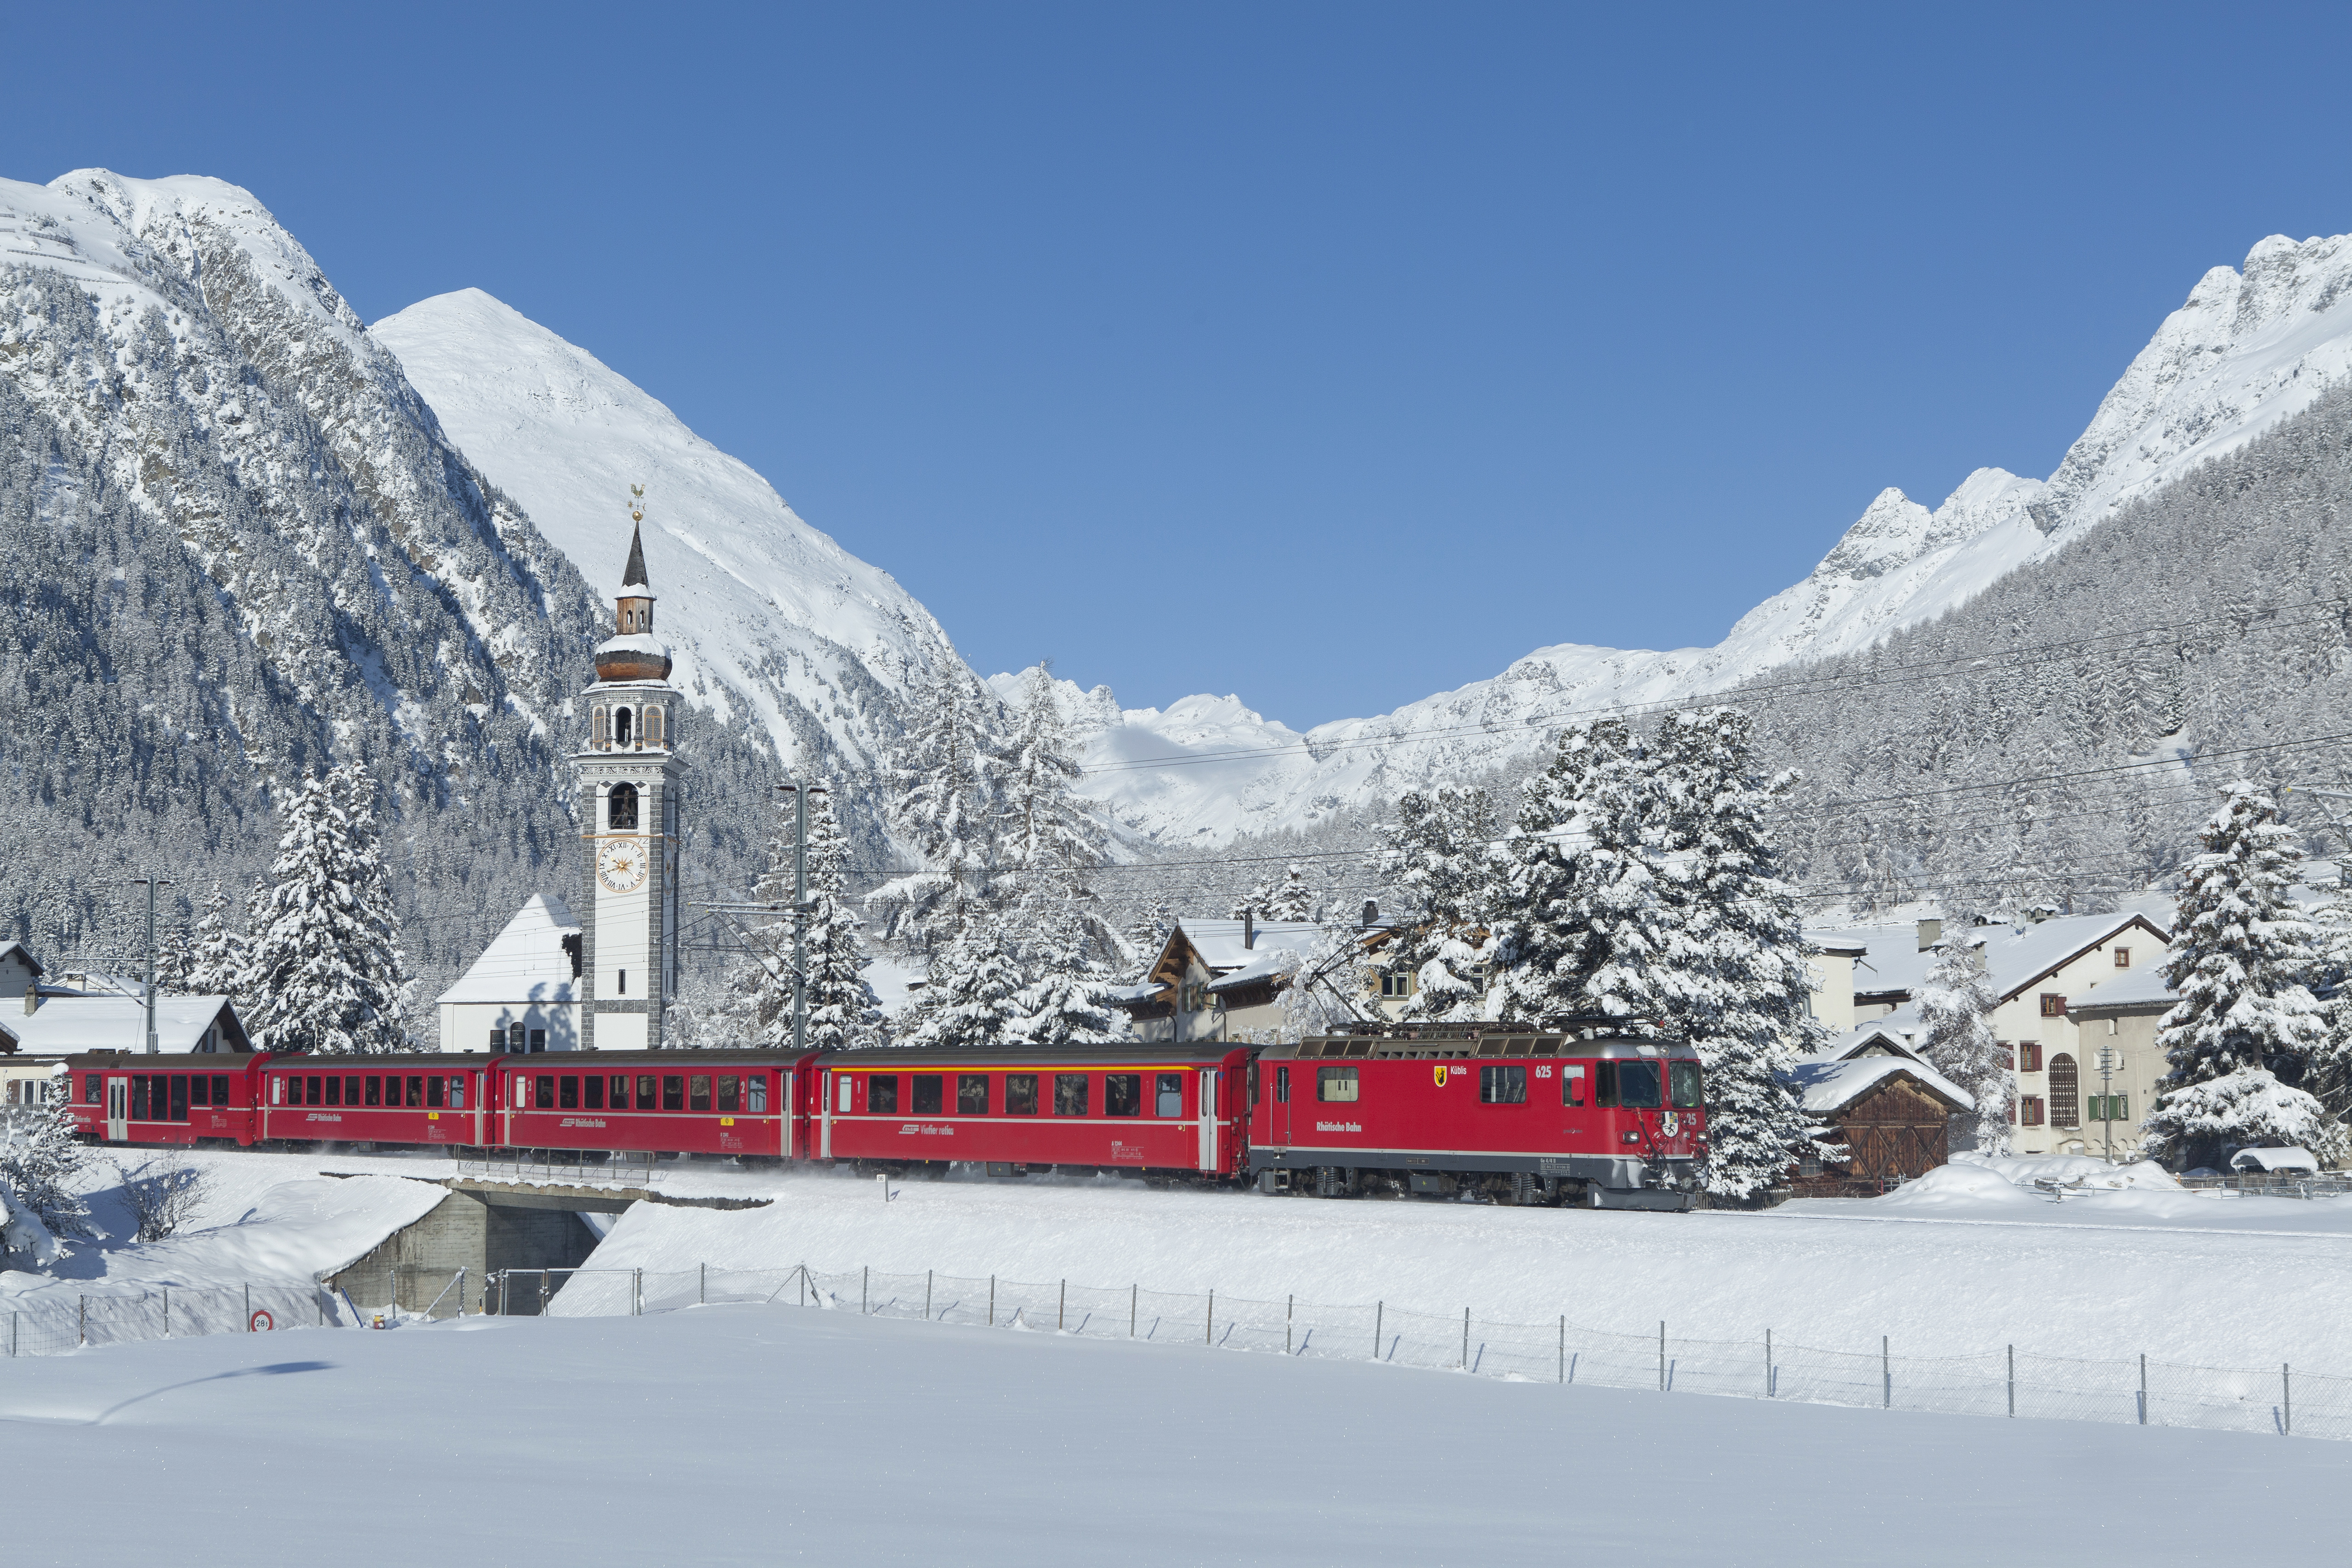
[800,915]
[151,884]
[2106,1099]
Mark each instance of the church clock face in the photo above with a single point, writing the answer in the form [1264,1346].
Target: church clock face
[621,863]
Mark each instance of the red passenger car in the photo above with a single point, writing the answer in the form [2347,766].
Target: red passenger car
[400,1100]
[129,1097]
[1607,1122]
[699,1102]
[1168,1110]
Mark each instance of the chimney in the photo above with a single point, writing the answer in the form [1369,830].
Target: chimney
[1930,934]
[32,998]
[1249,929]
[1372,914]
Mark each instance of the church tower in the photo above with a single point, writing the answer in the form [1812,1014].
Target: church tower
[628,804]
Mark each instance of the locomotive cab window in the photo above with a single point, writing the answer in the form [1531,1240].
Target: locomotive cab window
[1069,1094]
[1682,1085]
[971,1094]
[1337,1085]
[1571,1084]
[1501,1085]
[1021,1094]
[929,1089]
[1632,1085]
[1171,1091]
[882,1093]
[1123,1094]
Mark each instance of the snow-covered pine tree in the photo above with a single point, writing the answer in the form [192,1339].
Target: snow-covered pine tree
[1955,1005]
[1068,998]
[1587,932]
[942,775]
[973,996]
[1045,826]
[40,1164]
[843,1012]
[217,957]
[1730,941]
[2330,1078]
[327,971]
[1292,898]
[2241,1038]
[1441,855]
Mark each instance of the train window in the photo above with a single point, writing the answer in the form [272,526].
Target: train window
[1571,1086]
[1339,1084]
[1123,1094]
[456,1092]
[697,1096]
[755,1094]
[971,1094]
[730,1094]
[179,1097]
[544,1095]
[567,1092]
[1282,1086]
[1170,1090]
[1069,1094]
[277,1092]
[1637,1085]
[882,1093]
[310,1091]
[200,1091]
[925,1100]
[673,1091]
[375,1089]
[1501,1086]
[646,1081]
[1683,1084]
[1021,1094]
[592,1092]
[620,1091]
[139,1097]
[334,1088]
[220,1089]
[95,1084]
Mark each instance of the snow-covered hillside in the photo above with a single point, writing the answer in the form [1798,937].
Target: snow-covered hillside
[768,617]
[2247,350]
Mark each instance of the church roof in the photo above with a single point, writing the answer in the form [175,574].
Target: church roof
[525,963]
[635,573]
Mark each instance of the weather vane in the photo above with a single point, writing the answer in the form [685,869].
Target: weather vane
[637,503]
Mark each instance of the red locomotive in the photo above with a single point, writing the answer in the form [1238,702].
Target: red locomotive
[1520,1117]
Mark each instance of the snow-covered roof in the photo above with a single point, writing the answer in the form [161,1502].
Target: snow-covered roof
[2140,986]
[526,962]
[644,643]
[63,1025]
[2273,1159]
[1828,1086]
[23,955]
[1219,943]
[1879,1036]
[1270,963]
[2014,956]
[1886,958]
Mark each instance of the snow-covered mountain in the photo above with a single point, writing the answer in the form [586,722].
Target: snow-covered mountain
[769,619]
[2247,350]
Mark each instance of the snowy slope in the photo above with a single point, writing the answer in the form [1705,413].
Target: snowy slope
[2249,349]
[767,619]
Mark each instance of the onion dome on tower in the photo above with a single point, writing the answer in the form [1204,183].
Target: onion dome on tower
[633,653]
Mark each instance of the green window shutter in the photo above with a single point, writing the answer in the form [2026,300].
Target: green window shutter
[2122,1102]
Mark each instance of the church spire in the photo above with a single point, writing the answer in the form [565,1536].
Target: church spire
[634,574]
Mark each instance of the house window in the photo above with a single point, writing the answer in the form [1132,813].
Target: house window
[621,806]
[1809,1164]
[2030,1110]
[1396,982]
[2028,1056]
[2053,1005]
[2066,1097]
[2122,958]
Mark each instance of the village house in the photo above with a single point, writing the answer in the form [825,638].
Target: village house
[2115,1026]
[2040,972]
[1874,1096]
[523,992]
[46,1019]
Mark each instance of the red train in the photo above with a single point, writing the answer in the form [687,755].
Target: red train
[1518,1116]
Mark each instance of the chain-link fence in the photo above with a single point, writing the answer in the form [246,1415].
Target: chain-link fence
[2003,1382]
[54,1322]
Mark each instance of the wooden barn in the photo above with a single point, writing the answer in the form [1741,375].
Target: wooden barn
[1889,1110]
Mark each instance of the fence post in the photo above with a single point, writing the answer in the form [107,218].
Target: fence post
[1885,1375]
[2013,1380]
[2143,1388]
[1062,1307]
[248,1306]
[1767,1364]
[15,1324]
[804,1292]
[991,1301]
[167,1311]
[1563,1347]
[1289,1310]
[865,1287]
[1378,1307]
[542,1290]
[1465,1339]
[928,1274]
[2286,1397]
[1661,1355]
[636,1293]
[1134,1296]
[702,1285]
[1209,1334]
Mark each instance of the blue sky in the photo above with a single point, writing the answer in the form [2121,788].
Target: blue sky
[1329,355]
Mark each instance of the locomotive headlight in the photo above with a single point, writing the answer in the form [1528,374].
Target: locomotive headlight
[1629,1137]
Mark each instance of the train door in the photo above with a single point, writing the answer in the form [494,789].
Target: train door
[825,1110]
[787,1121]
[117,1109]
[1282,1104]
[1209,1119]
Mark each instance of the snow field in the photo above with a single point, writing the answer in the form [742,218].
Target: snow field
[738,1434]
